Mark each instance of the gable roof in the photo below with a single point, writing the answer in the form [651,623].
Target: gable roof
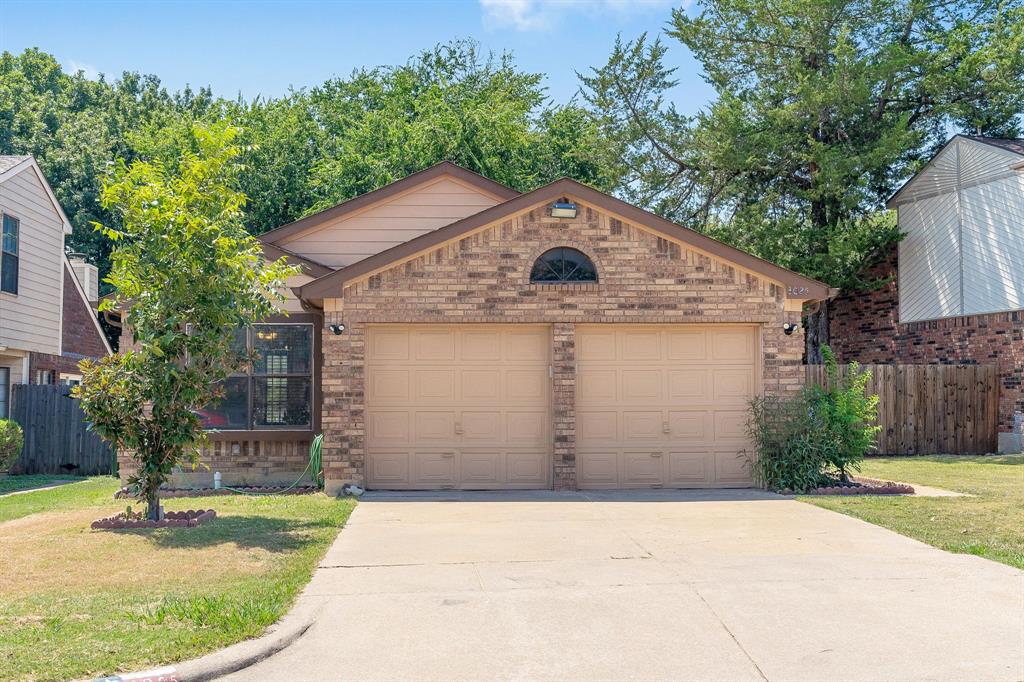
[329,285]
[309,266]
[13,165]
[1015,146]
[363,200]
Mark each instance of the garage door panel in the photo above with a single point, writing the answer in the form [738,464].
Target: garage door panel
[641,345]
[597,469]
[388,386]
[687,344]
[481,345]
[643,467]
[433,467]
[433,427]
[733,386]
[693,425]
[388,345]
[433,345]
[529,468]
[642,426]
[689,384]
[731,467]
[433,385]
[458,406]
[689,468]
[596,387]
[596,346]
[526,428]
[482,426]
[480,384]
[732,344]
[730,426]
[389,428]
[526,385]
[641,384]
[598,428]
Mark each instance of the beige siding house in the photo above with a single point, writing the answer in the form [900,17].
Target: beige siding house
[35,279]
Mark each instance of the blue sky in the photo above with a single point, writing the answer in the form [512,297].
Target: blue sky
[261,48]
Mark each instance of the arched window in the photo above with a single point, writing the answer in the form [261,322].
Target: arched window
[563,265]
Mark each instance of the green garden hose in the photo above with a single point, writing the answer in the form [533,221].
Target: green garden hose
[314,467]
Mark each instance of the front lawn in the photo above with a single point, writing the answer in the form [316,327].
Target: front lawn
[78,603]
[10,484]
[990,524]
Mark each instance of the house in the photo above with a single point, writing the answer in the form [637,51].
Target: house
[48,321]
[449,332]
[956,293]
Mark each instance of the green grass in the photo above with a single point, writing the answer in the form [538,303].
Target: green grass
[10,484]
[77,603]
[990,524]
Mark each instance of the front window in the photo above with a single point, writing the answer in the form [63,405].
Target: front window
[275,391]
[9,255]
[563,265]
[5,391]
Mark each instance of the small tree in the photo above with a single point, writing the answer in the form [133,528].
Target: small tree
[186,275]
[11,440]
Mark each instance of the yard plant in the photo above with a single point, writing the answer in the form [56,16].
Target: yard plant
[11,440]
[186,274]
[822,434]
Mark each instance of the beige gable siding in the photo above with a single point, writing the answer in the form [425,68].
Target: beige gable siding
[392,222]
[291,304]
[964,249]
[31,320]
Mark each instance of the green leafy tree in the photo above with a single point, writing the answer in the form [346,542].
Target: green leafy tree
[823,107]
[185,272]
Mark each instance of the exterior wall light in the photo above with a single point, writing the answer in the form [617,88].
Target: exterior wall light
[337,329]
[788,328]
[563,209]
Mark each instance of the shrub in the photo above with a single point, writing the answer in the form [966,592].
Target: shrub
[816,436]
[11,440]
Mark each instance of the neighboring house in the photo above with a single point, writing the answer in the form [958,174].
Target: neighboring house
[47,319]
[957,288]
[457,334]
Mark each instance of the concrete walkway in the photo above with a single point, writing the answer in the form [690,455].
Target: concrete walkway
[730,585]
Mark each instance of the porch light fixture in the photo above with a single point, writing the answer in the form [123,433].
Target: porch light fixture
[788,328]
[337,329]
[563,209]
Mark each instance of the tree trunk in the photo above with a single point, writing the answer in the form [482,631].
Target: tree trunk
[817,335]
[153,503]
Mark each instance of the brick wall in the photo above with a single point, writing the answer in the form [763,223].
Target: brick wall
[79,337]
[484,277]
[865,327]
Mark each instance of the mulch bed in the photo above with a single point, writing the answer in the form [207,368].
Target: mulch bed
[124,494]
[860,486]
[172,519]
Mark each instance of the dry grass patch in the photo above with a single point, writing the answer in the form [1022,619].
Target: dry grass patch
[79,603]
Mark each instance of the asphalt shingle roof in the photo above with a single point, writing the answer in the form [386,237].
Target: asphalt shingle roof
[1011,145]
[8,162]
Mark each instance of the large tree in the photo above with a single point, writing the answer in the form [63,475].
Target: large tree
[186,274]
[822,108]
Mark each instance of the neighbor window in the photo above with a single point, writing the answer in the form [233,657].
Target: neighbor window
[5,391]
[275,390]
[45,377]
[563,265]
[9,255]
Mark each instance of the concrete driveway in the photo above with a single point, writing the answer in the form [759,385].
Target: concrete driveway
[732,585]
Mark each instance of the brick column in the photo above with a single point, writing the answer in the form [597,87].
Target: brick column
[783,369]
[342,413]
[563,397]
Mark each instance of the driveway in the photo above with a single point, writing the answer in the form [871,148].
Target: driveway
[729,585]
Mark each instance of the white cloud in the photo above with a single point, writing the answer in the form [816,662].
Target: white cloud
[529,15]
[88,70]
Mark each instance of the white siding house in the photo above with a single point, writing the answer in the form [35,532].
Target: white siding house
[963,216]
[31,270]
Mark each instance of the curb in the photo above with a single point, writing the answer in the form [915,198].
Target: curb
[237,656]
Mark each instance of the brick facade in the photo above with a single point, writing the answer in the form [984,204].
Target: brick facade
[865,327]
[483,277]
[79,337]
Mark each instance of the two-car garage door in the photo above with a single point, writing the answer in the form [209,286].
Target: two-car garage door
[468,406]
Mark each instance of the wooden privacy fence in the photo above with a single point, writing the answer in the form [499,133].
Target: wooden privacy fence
[927,409]
[57,435]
